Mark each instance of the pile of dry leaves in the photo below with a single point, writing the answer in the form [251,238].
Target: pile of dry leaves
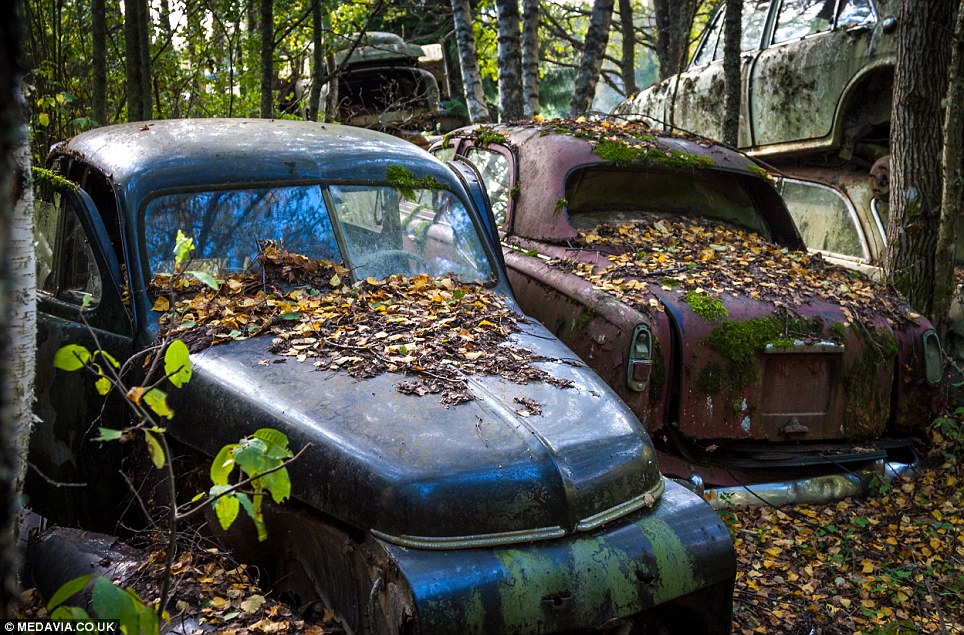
[696,254]
[891,563]
[436,330]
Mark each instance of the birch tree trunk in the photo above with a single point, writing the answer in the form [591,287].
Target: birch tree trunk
[267,57]
[917,118]
[731,72]
[627,67]
[597,37]
[953,175]
[98,20]
[18,326]
[469,62]
[510,61]
[530,57]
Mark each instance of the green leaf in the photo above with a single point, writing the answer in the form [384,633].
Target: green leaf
[108,434]
[205,278]
[177,363]
[157,401]
[252,457]
[254,511]
[277,483]
[65,613]
[71,357]
[68,589]
[110,358]
[154,449]
[87,301]
[294,315]
[43,119]
[108,600]
[183,247]
[223,464]
[103,386]
[227,508]
[276,442]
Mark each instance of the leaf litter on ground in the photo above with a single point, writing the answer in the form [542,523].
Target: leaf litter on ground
[434,330]
[892,562]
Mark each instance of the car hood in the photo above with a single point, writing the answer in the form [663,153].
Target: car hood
[420,473]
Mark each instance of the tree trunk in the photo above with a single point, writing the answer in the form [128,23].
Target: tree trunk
[318,70]
[674,21]
[530,57]
[920,83]
[953,176]
[597,37]
[144,47]
[267,57]
[731,72]
[627,67]
[469,62]
[98,27]
[18,326]
[510,61]
[133,61]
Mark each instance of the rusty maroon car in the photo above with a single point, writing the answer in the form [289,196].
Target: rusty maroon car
[671,266]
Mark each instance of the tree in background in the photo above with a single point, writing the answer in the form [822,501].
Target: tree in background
[510,61]
[469,62]
[18,329]
[627,65]
[530,56]
[732,27]
[267,58]
[674,23]
[597,37]
[953,178]
[917,118]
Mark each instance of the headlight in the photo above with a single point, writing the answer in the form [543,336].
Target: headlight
[933,358]
[640,359]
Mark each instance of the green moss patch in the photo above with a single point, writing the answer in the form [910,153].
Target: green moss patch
[706,307]
[402,179]
[625,153]
[46,183]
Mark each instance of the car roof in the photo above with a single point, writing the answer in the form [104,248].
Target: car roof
[143,157]
[549,150]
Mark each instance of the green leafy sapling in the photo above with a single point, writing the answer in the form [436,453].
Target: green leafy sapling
[261,460]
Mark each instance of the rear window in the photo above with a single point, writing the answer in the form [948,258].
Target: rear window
[607,195]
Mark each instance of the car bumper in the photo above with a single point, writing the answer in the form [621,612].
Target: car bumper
[620,575]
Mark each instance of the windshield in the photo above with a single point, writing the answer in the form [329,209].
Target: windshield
[374,230]
[609,195]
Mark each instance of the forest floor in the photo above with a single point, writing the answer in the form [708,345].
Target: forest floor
[889,563]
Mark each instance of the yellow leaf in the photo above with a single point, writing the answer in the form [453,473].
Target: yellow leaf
[161,304]
[868,566]
[134,394]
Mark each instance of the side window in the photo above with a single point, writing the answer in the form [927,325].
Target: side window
[445,154]
[494,168]
[824,219]
[803,17]
[854,12]
[712,48]
[66,268]
[754,20]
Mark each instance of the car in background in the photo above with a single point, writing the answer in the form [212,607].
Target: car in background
[383,86]
[673,268]
[844,216]
[530,504]
[817,77]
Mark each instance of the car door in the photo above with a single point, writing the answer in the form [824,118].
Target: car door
[75,479]
[695,97]
[816,48]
